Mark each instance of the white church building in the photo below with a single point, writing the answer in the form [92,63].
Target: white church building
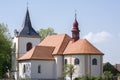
[46,59]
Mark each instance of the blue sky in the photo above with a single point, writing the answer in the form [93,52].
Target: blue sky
[99,20]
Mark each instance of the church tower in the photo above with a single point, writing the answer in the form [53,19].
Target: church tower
[23,41]
[27,37]
[75,30]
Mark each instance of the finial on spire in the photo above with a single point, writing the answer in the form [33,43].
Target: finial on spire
[75,14]
[75,24]
[27,4]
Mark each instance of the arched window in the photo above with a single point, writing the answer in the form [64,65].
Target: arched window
[65,62]
[76,61]
[24,68]
[94,61]
[39,69]
[28,46]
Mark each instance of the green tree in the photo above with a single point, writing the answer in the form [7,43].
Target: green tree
[69,70]
[108,67]
[108,75]
[5,51]
[88,77]
[46,32]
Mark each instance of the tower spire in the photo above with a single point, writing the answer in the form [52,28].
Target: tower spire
[28,30]
[75,30]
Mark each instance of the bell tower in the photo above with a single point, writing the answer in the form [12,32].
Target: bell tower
[23,41]
[27,37]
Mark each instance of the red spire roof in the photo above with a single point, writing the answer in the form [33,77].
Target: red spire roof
[75,24]
[75,30]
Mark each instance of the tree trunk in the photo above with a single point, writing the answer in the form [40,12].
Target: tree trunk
[71,77]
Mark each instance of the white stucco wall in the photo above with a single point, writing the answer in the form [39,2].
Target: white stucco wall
[95,69]
[85,66]
[59,65]
[48,69]
[21,48]
[79,69]
[27,73]
[22,41]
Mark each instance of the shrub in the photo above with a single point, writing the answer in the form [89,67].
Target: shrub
[24,79]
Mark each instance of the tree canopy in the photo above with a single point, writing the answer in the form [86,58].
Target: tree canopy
[69,70]
[108,67]
[46,32]
[5,50]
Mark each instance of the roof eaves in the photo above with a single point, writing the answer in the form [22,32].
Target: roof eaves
[83,54]
[37,59]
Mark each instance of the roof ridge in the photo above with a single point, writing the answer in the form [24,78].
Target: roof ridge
[65,36]
[45,46]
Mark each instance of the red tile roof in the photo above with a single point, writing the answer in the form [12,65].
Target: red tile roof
[59,41]
[81,46]
[39,53]
[60,44]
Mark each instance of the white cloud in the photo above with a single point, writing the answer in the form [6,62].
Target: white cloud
[98,37]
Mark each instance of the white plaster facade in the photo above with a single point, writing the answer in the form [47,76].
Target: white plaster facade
[85,65]
[19,44]
[47,69]
[79,69]
[54,69]
[59,65]
[95,69]
[27,66]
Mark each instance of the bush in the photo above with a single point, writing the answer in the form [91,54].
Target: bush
[87,77]
[101,77]
[24,79]
[76,79]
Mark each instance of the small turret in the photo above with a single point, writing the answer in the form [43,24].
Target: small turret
[75,30]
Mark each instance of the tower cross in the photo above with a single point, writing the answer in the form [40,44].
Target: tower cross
[27,3]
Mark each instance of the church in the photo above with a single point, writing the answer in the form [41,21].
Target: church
[35,59]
